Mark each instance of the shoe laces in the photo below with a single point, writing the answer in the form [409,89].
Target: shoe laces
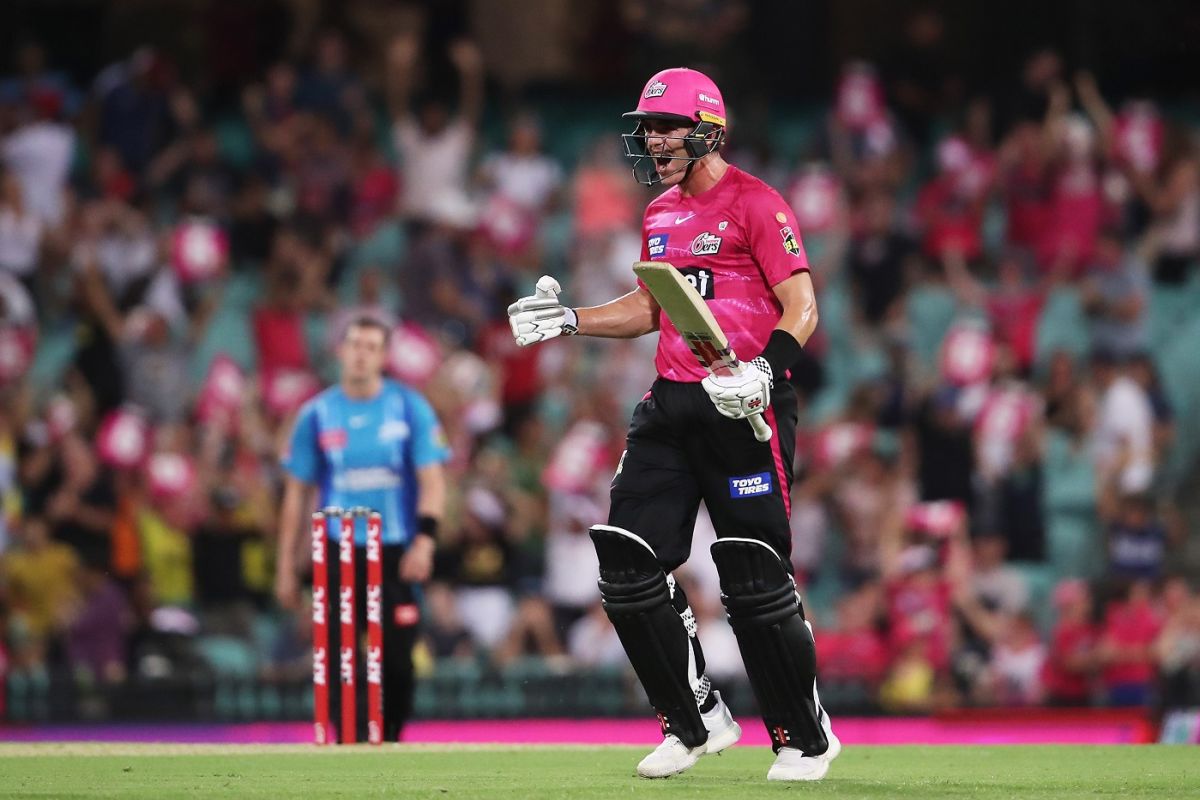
[670,741]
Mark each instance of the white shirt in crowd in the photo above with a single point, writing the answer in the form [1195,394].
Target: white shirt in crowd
[122,258]
[592,641]
[1180,231]
[126,259]
[571,565]
[1003,586]
[20,242]
[16,306]
[528,181]
[809,523]
[432,165]
[1019,673]
[722,658]
[1126,419]
[40,156]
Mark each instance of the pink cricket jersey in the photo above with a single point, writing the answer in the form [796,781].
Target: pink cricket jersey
[734,242]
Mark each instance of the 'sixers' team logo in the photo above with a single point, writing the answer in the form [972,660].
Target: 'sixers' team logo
[789,240]
[706,244]
[655,89]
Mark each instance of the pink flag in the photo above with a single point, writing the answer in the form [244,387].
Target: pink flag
[967,355]
[223,390]
[285,390]
[574,464]
[199,250]
[124,438]
[170,475]
[16,353]
[413,355]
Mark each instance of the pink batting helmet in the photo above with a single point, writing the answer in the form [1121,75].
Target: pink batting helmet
[681,94]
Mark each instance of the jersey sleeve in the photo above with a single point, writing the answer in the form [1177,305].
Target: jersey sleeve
[429,441]
[645,254]
[301,458]
[774,236]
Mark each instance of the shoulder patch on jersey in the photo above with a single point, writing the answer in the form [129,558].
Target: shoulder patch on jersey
[780,217]
[706,244]
[656,245]
[789,240]
[439,437]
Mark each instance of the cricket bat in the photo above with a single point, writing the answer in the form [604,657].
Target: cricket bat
[696,324]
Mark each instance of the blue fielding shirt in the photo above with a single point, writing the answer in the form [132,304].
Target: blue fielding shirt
[367,453]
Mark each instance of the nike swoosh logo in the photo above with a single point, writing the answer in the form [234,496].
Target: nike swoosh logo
[681,220]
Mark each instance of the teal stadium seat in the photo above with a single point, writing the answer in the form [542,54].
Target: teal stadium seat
[385,247]
[1075,541]
[229,331]
[55,352]
[235,141]
[228,656]
[1041,579]
[931,309]
[1062,326]
[1177,364]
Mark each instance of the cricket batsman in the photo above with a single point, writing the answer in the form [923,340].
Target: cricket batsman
[736,241]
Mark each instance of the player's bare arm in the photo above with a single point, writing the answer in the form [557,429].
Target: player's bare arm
[628,317]
[297,501]
[542,316]
[417,563]
[799,300]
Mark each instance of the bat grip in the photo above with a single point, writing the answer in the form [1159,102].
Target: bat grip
[762,431]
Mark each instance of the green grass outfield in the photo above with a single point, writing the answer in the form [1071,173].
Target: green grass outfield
[165,771]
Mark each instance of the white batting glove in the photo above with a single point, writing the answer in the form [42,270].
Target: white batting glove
[540,317]
[740,396]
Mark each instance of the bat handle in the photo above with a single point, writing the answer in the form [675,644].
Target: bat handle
[762,431]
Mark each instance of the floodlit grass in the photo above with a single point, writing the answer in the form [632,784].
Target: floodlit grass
[502,772]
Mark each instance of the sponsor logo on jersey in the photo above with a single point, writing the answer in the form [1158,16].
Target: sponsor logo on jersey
[789,240]
[750,485]
[706,244]
[656,89]
[393,429]
[709,99]
[723,224]
[332,439]
[366,479]
[701,280]
[684,218]
[656,245]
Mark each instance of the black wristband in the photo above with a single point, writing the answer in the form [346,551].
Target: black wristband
[427,525]
[782,352]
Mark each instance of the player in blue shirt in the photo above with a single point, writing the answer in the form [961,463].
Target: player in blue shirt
[368,441]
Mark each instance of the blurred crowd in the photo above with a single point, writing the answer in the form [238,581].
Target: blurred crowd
[981,512]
